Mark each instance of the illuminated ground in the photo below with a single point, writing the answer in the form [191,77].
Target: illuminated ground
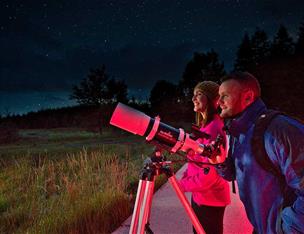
[168,215]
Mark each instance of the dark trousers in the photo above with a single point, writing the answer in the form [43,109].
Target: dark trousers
[210,217]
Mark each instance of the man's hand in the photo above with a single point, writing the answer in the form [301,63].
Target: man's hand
[218,155]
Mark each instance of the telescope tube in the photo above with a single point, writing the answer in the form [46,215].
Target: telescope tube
[129,119]
[138,123]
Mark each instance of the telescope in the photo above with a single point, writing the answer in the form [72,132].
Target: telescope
[167,138]
[162,135]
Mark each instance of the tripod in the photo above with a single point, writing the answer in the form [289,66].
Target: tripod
[153,167]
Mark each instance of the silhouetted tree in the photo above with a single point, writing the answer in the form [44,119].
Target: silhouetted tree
[201,67]
[163,96]
[299,47]
[282,45]
[244,56]
[92,90]
[98,89]
[260,47]
[282,83]
[117,90]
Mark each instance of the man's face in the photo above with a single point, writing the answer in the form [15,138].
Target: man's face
[230,99]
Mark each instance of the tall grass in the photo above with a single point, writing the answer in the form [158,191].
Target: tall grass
[85,193]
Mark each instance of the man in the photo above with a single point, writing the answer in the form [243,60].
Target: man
[268,207]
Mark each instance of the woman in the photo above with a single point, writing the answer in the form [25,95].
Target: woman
[210,193]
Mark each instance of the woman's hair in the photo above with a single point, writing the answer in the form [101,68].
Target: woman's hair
[210,90]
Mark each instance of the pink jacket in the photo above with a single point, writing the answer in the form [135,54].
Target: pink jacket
[207,189]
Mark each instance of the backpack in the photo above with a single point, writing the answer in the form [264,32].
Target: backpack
[262,158]
[257,142]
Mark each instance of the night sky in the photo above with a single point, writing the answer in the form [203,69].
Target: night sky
[49,46]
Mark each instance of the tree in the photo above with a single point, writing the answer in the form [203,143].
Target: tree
[201,67]
[282,45]
[99,89]
[93,89]
[282,84]
[260,47]
[164,99]
[244,56]
[299,47]
[117,90]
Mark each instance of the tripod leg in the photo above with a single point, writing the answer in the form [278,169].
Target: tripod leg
[146,208]
[142,206]
[137,206]
[195,222]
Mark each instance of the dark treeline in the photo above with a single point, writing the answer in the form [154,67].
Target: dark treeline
[278,63]
[279,66]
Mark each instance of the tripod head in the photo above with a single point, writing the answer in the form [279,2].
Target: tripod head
[155,165]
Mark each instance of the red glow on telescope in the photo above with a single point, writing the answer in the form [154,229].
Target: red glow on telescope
[130,119]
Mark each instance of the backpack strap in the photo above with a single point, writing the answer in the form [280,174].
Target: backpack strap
[258,142]
[262,158]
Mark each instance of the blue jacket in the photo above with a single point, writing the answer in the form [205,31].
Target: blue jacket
[260,191]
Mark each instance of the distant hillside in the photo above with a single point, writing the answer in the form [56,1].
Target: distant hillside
[78,116]
[89,117]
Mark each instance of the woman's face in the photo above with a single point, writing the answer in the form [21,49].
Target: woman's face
[199,100]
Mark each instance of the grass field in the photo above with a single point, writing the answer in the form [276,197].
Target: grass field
[69,180]
[40,141]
